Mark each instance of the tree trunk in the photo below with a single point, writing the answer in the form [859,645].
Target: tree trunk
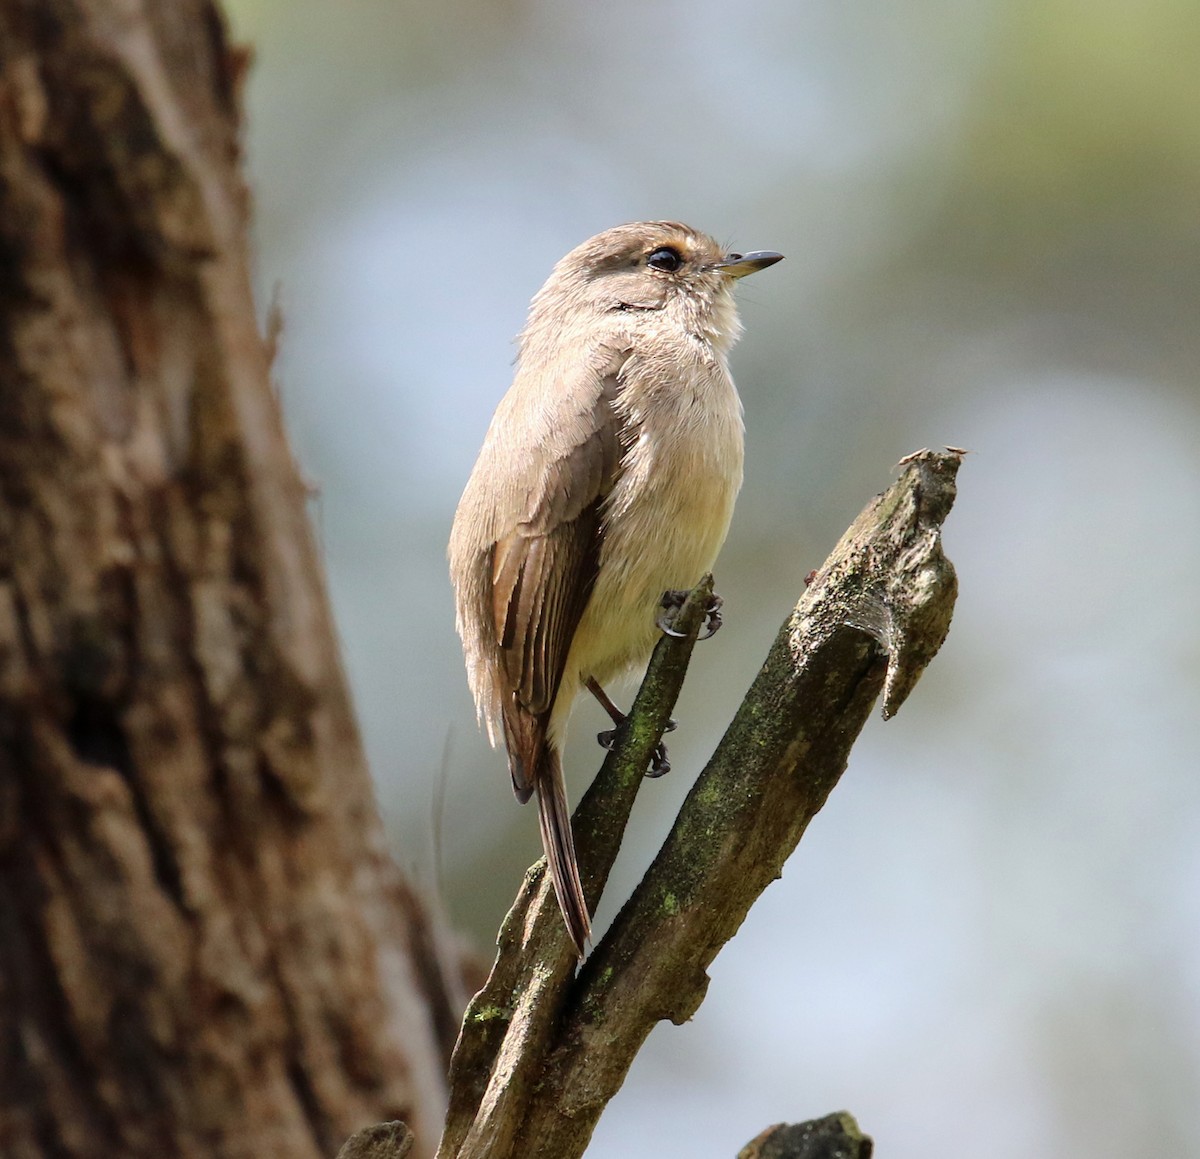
[204,947]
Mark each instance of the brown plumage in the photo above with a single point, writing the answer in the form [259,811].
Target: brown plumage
[607,477]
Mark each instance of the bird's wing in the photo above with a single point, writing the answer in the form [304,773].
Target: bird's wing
[544,568]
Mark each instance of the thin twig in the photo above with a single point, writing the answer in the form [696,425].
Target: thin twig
[510,1023]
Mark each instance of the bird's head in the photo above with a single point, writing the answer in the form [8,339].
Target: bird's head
[649,267]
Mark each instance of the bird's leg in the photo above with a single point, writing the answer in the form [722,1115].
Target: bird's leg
[614,713]
[659,764]
[672,601]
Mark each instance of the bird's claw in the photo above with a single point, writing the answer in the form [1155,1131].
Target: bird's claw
[672,601]
[712,618]
[670,604]
[660,763]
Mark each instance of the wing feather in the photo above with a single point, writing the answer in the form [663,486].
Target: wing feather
[543,572]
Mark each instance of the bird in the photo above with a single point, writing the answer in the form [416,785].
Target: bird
[607,478]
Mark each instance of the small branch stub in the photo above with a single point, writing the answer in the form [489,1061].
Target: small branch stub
[383,1141]
[834,1137]
[888,576]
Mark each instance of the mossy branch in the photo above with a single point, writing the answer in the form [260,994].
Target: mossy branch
[542,1050]
[510,1024]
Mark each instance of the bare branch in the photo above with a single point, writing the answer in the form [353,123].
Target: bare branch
[871,620]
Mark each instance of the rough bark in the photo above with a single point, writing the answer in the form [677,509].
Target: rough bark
[204,947]
[542,1050]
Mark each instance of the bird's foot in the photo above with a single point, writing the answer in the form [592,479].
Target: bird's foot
[660,763]
[672,601]
[610,736]
[712,618]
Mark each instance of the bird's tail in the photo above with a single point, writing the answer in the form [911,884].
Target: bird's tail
[554,817]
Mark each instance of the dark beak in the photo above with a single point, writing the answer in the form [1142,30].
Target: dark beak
[739,265]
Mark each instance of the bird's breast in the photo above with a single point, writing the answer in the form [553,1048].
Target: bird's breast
[665,520]
[674,497]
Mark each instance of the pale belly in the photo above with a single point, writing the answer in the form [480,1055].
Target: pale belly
[668,520]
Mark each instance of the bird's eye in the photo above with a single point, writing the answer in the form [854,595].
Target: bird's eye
[665,258]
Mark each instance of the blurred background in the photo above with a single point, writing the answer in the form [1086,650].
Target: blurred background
[989,941]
